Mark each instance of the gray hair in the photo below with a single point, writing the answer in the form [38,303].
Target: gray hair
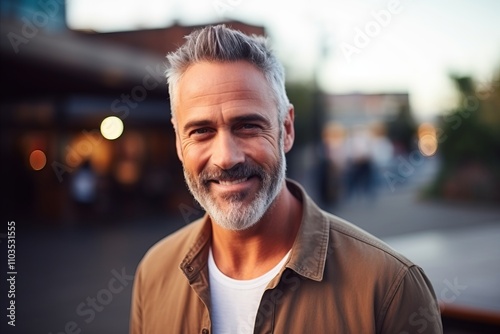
[222,44]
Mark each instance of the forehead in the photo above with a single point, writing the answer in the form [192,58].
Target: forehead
[216,82]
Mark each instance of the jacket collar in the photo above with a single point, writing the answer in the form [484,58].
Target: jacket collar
[309,251]
[310,248]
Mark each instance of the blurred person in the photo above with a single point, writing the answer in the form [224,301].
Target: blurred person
[84,187]
[359,148]
[84,194]
[382,154]
[332,178]
[264,258]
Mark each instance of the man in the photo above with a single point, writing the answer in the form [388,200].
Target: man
[264,258]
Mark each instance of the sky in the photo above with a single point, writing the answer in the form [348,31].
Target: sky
[372,46]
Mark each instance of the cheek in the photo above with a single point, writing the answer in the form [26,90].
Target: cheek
[265,153]
[195,157]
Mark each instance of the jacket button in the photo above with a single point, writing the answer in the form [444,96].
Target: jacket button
[190,269]
[204,331]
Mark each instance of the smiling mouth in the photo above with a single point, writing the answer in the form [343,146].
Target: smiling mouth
[230,182]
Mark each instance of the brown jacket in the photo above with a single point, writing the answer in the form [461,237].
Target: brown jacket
[338,279]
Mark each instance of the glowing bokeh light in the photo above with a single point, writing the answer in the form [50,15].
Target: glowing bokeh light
[426,129]
[428,145]
[111,127]
[38,160]
[427,139]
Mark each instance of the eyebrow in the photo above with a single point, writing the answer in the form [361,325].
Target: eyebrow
[250,118]
[196,124]
[237,119]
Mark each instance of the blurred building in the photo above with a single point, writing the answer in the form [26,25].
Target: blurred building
[391,111]
[362,108]
[58,86]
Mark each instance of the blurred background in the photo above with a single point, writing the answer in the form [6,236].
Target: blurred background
[398,131]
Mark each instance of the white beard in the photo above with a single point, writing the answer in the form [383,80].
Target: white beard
[237,215]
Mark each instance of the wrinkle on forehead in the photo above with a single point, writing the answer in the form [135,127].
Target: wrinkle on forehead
[205,79]
[230,95]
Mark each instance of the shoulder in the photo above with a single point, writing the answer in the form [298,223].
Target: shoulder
[377,270]
[358,242]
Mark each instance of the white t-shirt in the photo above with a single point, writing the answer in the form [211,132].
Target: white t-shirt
[235,302]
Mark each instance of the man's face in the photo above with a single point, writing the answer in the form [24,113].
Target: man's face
[230,141]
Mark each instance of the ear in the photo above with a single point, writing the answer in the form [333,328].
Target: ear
[289,130]
[177,140]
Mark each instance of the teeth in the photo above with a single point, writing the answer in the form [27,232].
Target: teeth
[229,183]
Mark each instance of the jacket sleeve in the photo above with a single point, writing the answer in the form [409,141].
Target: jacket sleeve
[412,306]
[135,325]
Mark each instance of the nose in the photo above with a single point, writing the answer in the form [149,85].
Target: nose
[227,151]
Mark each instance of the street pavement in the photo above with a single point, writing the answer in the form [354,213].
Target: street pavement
[80,277]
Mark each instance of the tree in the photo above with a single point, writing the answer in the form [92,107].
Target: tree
[401,130]
[469,138]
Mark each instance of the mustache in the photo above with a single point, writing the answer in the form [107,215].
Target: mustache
[239,171]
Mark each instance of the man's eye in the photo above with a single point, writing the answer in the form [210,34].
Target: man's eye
[249,126]
[201,131]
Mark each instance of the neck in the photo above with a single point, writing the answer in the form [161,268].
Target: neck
[251,253]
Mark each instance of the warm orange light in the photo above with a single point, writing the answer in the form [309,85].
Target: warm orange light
[426,129]
[38,160]
[427,145]
[427,139]
[101,157]
[127,172]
